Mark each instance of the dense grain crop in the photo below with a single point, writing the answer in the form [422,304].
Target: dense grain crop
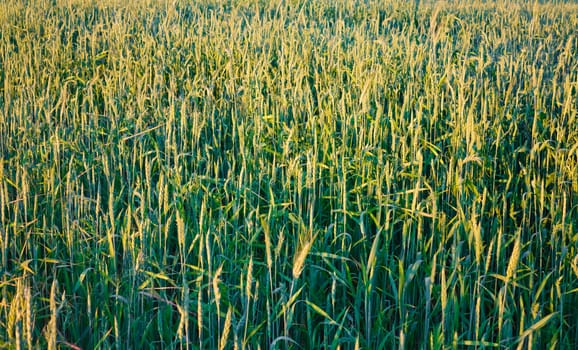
[288,174]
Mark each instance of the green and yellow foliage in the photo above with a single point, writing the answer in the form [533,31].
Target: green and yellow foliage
[288,174]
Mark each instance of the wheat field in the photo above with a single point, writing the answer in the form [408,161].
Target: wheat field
[288,174]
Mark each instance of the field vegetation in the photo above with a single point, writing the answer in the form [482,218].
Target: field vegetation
[288,174]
